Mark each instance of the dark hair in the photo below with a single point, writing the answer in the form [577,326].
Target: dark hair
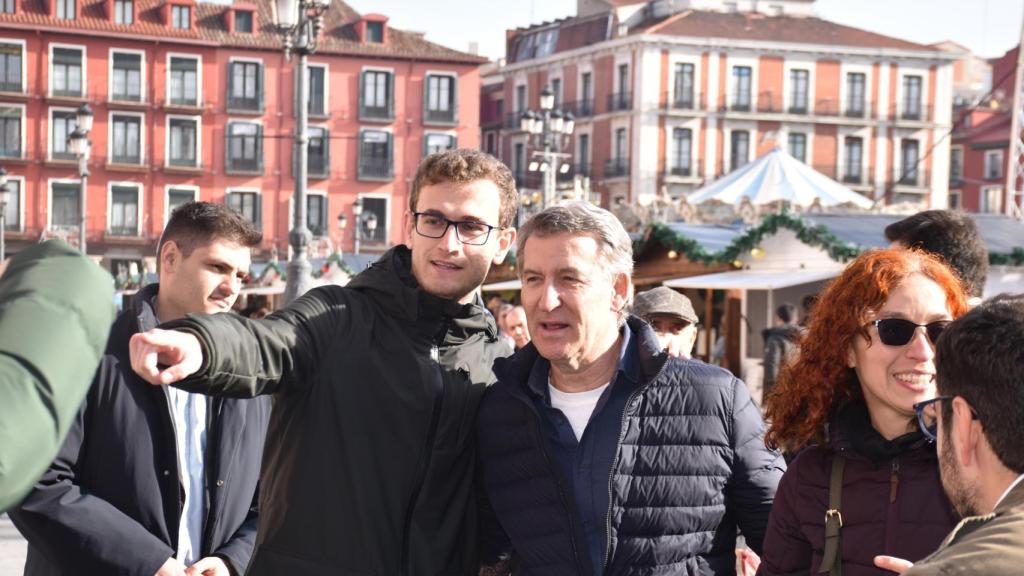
[196,224]
[786,312]
[980,357]
[465,165]
[809,388]
[951,235]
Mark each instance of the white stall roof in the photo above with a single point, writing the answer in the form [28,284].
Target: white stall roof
[503,286]
[753,279]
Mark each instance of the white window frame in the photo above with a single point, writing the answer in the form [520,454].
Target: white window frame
[581,69]
[693,125]
[259,138]
[808,132]
[49,131]
[902,72]
[167,197]
[85,72]
[142,135]
[134,13]
[897,162]
[520,80]
[455,92]
[387,219]
[199,76]
[327,84]
[695,61]
[310,192]
[167,139]
[741,126]
[394,85]
[865,135]
[262,87]
[22,135]
[587,131]
[191,16]
[248,189]
[621,59]
[983,204]
[49,196]
[954,151]
[24,61]
[21,202]
[142,73]
[139,190]
[865,69]
[788,66]
[993,154]
[737,62]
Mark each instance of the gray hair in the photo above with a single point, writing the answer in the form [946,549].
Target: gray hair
[616,248]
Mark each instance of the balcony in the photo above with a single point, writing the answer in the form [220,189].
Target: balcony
[915,113]
[376,113]
[512,120]
[123,231]
[913,179]
[439,116]
[246,105]
[616,168]
[375,169]
[580,108]
[694,170]
[683,102]
[620,101]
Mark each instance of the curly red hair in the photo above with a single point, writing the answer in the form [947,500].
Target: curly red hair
[819,379]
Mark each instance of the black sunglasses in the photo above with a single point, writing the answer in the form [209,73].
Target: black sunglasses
[927,418]
[898,331]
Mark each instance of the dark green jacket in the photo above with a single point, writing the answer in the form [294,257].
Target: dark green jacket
[370,451]
[56,308]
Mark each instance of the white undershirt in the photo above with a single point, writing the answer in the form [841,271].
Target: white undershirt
[577,406]
[1008,488]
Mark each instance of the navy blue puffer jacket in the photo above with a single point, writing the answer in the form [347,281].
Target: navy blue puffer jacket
[691,465]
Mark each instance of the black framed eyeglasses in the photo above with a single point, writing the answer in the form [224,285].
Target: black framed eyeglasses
[470,232]
[928,419]
[899,331]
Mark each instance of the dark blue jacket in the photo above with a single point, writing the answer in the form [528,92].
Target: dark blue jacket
[691,465]
[111,502]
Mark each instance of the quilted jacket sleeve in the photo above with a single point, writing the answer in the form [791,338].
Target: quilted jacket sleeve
[756,469]
[56,308]
[787,551]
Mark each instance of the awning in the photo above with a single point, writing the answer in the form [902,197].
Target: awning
[753,279]
[503,286]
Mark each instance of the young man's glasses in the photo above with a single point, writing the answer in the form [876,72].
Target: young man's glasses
[898,331]
[467,231]
[927,416]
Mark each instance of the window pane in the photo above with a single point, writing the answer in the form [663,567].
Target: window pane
[10,132]
[64,211]
[316,91]
[10,68]
[176,197]
[12,212]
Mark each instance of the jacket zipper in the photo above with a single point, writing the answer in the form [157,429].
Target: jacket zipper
[435,357]
[615,464]
[890,521]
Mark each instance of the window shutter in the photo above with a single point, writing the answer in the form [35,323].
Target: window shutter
[391,155]
[228,164]
[259,148]
[455,98]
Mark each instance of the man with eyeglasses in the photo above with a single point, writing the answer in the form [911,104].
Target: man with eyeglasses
[369,467]
[976,423]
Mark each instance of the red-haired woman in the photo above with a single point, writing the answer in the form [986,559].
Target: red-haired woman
[867,358]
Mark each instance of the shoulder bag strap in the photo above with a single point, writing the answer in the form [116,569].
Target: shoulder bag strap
[832,559]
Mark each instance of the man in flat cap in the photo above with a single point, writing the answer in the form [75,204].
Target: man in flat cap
[672,316]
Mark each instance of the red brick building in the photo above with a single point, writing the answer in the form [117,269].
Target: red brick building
[980,154]
[672,95]
[196,101]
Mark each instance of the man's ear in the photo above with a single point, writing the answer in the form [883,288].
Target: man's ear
[506,238]
[623,287]
[966,433]
[409,224]
[170,257]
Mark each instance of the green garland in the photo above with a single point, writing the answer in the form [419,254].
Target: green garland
[818,236]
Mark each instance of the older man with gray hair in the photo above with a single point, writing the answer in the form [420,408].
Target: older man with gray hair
[599,453]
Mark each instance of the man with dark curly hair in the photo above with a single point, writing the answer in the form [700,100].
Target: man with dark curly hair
[954,237]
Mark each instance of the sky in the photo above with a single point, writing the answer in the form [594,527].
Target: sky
[987,27]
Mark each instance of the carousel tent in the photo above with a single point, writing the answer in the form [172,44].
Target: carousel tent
[777,176]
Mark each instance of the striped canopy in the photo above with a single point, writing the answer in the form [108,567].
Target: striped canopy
[778,176]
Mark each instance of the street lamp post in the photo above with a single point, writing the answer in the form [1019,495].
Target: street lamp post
[299,23]
[548,128]
[357,217]
[5,191]
[79,145]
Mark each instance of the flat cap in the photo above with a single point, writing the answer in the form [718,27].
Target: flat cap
[664,300]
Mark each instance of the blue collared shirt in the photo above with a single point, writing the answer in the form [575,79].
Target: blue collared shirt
[586,464]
